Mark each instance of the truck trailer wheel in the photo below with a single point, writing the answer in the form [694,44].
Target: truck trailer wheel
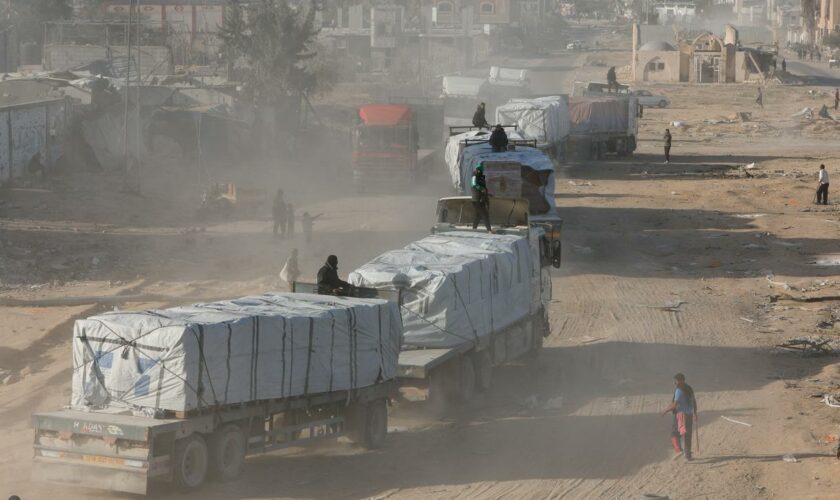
[376,424]
[483,370]
[190,467]
[368,423]
[227,452]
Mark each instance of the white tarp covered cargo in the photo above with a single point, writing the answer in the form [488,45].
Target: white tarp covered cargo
[458,286]
[545,119]
[463,86]
[463,155]
[508,76]
[254,348]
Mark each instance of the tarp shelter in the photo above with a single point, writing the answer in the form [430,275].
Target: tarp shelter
[457,286]
[255,348]
[384,115]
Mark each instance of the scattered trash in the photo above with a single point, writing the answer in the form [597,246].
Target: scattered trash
[806,113]
[736,421]
[748,216]
[790,458]
[582,183]
[679,124]
[809,348]
[824,112]
[778,283]
[831,400]
[747,320]
[673,306]
[744,116]
[589,340]
[749,166]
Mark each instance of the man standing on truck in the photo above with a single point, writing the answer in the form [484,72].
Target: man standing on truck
[684,408]
[480,118]
[480,198]
[278,211]
[499,139]
[612,80]
[328,280]
[667,139]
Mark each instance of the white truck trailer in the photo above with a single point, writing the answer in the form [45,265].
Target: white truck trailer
[470,300]
[187,393]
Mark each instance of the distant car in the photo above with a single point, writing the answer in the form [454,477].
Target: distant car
[834,62]
[577,45]
[650,100]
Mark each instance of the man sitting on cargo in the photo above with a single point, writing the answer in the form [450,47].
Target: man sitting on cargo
[499,139]
[480,118]
[480,198]
[328,280]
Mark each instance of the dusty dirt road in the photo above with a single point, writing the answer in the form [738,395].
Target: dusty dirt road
[665,270]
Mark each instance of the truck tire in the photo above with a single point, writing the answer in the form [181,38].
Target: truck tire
[663,103]
[483,370]
[227,452]
[376,424]
[190,466]
[367,423]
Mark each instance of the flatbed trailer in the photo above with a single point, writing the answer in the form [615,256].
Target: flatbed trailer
[128,453]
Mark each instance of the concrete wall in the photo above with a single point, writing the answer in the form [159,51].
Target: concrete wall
[28,129]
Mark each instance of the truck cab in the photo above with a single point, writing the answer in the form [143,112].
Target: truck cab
[385,143]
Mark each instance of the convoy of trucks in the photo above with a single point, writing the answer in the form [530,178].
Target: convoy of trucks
[185,394]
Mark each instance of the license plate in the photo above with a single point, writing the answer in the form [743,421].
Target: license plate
[96,459]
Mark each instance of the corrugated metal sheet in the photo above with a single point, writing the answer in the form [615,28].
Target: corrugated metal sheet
[29,129]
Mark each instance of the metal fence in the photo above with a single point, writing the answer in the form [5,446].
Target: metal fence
[30,129]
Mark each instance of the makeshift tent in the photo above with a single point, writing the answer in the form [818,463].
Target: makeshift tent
[254,348]
[456,286]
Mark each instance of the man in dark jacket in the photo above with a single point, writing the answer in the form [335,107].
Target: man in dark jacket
[499,139]
[328,280]
[667,139]
[480,198]
[480,118]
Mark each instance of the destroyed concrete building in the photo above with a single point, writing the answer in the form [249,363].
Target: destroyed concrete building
[662,54]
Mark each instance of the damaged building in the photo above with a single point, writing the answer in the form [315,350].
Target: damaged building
[663,54]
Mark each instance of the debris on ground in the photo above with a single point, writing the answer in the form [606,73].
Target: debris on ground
[824,112]
[831,400]
[806,113]
[581,183]
[790,458]
[810,347]
[736,421]
[672,306]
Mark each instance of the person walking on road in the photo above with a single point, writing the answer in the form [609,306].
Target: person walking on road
[784,66]
[278,212]
[760,98]
[822,190]
[836,98]
[684,408]
[667,139]
[480,198]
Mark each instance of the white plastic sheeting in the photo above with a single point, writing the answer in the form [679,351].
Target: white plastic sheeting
[458,286]
[462,159]
[463,86]
[508,76]
[254,348]
[545,119]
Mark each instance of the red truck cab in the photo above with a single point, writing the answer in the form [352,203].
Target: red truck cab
[385,144]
